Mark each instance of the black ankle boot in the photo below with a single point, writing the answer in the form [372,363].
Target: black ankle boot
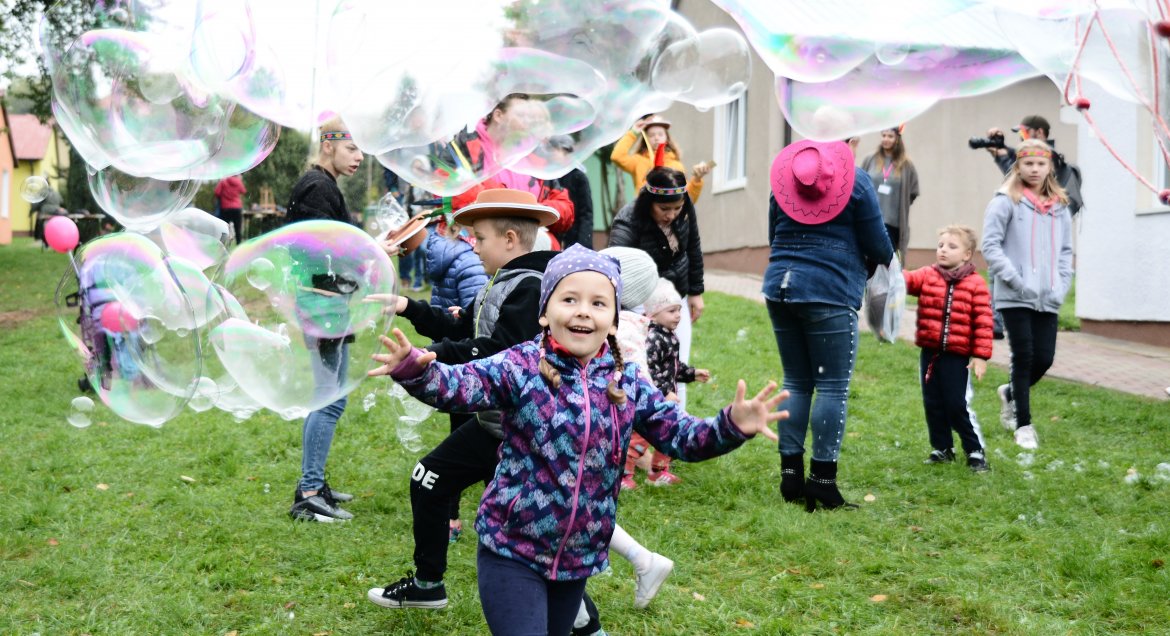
[792,477]
[822,486]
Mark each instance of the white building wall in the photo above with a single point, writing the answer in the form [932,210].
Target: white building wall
[1123,260]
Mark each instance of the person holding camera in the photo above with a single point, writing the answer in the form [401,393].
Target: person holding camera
[1034,127]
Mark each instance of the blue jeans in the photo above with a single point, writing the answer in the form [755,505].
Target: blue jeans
[413,266]
[330,360]
[818,348]
[519,602]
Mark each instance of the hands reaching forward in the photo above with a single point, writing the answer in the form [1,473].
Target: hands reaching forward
[752,416]
[397,351]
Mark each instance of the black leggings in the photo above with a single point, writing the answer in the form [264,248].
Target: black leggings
[467,456]
[519,602]
[1032,337]
[232,215]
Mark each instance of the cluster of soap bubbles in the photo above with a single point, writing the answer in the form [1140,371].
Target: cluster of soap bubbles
[877,64]
[171,320]
[166,93]
[161,96]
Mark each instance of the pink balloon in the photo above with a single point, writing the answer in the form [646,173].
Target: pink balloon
[117,318]
[61,234]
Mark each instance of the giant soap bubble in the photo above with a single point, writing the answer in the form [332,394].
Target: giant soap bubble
[141,363]
[314,296]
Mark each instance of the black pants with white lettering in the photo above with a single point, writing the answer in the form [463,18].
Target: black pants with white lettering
[467,456]
[946,397]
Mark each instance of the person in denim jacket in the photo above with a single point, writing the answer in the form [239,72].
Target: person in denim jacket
[825,224]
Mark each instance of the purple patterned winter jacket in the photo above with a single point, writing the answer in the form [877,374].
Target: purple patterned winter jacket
[553,500]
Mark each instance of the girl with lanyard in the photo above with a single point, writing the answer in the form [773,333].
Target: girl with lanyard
[896,181]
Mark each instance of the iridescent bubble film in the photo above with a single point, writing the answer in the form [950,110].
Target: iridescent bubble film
[141,364]
[34,189]
[164,96]
[314,298]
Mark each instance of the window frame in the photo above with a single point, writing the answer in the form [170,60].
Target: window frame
[722,181]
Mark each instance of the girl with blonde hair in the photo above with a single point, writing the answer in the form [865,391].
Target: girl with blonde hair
[1027,243]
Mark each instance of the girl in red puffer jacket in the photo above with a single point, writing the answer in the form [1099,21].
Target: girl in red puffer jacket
[954,331]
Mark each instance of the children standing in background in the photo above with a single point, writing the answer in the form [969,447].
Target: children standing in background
[954,331]
[664,309]
[1027,242]
[569,404]
[639,278]
[635,151]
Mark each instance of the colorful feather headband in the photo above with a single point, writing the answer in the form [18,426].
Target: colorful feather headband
[1034,152]
[666,191]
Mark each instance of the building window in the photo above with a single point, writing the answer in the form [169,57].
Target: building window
[730,171]
[1161,167]
[4,178]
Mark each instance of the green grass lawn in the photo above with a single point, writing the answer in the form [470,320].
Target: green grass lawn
[189,534]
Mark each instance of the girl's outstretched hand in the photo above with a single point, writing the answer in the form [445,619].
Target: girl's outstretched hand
[752,416]
[397,350]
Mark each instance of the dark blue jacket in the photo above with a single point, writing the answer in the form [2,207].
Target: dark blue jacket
[455,271]
[826,263]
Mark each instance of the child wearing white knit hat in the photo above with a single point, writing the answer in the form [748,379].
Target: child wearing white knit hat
[664,308]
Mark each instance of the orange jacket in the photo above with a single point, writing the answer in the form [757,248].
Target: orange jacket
[640,164]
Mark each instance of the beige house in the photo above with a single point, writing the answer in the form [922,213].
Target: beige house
[1123,273]
[744,136]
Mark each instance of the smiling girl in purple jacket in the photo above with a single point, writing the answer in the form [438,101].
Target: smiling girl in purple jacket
[569,406]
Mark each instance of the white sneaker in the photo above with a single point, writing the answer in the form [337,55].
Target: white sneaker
[649,581]
[1007,408]
[1026,437]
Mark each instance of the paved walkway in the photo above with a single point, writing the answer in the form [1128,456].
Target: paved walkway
[1114,364]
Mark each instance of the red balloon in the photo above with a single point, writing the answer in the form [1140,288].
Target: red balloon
[61,234]
[117,318]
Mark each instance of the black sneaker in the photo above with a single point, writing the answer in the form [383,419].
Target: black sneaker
[940,456]
[336,496]
[317,508]
[977,462]
[405,593]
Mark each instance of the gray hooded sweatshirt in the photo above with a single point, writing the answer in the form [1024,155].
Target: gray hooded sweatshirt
[1029,253]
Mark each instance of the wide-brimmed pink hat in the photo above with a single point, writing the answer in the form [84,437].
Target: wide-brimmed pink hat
[813,180]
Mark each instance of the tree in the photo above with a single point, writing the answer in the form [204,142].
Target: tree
[65,20]
[281,169]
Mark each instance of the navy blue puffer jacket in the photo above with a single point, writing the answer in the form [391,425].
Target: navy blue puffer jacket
[455,271]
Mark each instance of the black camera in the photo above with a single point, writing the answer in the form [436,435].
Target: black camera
[994,141]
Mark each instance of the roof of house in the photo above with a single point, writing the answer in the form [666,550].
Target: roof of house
[30,137]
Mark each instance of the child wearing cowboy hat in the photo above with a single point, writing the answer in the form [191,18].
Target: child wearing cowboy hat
[503,313]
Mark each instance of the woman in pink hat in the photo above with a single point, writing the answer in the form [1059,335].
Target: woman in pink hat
[825,225]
